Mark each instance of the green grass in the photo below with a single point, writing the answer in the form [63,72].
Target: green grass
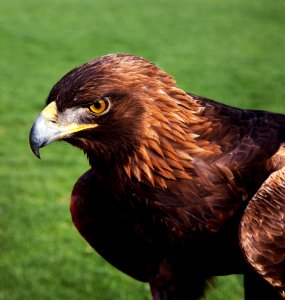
[232,51]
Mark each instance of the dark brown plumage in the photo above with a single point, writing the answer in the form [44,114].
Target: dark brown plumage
[181,188]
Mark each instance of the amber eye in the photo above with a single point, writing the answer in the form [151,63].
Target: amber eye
[99,106]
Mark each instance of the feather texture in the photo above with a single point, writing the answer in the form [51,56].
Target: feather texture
[173,177]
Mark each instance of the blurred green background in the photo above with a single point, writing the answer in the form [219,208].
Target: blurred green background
[232,51]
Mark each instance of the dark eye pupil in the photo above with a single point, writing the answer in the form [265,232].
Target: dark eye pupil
[97,105]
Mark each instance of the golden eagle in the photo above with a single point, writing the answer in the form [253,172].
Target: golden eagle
[181,188]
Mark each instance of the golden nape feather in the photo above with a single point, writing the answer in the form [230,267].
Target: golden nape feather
[181,188]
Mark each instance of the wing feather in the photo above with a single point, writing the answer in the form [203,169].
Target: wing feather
[262,230]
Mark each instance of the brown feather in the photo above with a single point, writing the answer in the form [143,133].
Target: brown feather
[171,176]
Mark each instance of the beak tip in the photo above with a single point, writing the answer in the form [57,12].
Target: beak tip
[37,152]
[36,149]
[34,143]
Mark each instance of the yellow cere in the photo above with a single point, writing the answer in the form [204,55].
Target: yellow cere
[50,112]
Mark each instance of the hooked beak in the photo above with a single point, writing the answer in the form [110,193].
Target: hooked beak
[48,129]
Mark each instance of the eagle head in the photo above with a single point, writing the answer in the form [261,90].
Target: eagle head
[120,108]
[99,104]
